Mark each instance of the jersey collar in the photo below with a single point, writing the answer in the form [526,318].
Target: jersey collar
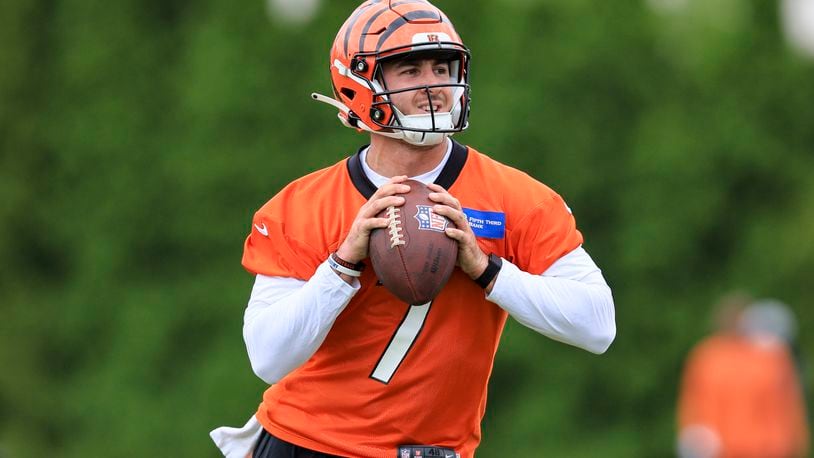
[449,173]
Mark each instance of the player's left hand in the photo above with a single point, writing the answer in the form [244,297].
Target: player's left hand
[471,259]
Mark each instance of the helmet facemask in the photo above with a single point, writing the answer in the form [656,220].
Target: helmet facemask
[429,128]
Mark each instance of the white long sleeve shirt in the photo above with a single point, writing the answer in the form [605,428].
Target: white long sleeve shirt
[287,319]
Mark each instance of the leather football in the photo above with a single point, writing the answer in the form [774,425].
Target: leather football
[413,257]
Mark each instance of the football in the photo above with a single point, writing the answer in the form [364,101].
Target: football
[413,257]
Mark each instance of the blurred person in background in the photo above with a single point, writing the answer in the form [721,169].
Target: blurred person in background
[354,371]
[741,394]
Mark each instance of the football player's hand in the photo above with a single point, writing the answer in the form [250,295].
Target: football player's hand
[355,246]
[471,259]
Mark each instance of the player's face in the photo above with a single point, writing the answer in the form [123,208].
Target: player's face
[419,72]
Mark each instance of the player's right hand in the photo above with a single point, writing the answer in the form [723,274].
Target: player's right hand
[355,246]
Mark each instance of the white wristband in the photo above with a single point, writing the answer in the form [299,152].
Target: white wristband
[342,269]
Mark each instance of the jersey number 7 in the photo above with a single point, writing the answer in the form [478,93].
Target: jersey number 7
[401,342]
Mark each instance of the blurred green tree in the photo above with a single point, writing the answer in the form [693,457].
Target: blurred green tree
[138,137]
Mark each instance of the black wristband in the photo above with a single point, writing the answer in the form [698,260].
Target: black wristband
[492,268]
[359,266]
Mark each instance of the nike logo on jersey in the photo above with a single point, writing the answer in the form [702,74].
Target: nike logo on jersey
[262,229]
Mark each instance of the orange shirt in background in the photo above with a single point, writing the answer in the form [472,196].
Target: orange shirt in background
[749,394]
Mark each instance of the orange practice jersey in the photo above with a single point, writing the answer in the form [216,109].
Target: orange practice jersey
[749,395]
[343,401]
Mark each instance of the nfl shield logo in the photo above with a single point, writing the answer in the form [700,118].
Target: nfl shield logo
[405,453]
[428,220]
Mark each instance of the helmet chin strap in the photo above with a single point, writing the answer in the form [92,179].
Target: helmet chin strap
[424,138]
[422,121]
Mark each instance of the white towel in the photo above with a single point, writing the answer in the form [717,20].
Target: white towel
[237,442]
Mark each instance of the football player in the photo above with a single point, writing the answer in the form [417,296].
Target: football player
[354,371]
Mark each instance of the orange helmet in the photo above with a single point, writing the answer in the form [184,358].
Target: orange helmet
[388,29]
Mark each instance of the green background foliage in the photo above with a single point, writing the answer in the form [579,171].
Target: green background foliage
[137,138]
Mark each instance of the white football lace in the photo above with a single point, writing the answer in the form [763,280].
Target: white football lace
[395,227]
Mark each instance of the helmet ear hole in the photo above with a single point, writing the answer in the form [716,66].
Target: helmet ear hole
[347,92]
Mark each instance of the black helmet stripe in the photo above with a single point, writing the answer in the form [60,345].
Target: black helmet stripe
[354,18]
[367,27]
[402,20]
[373,18]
